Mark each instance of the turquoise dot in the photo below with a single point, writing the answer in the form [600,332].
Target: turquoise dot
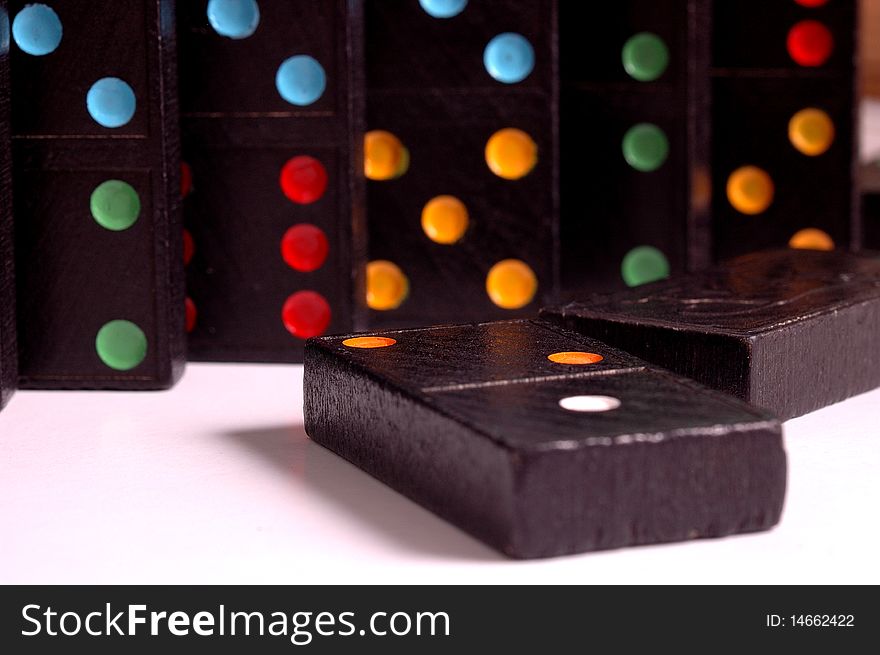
[111,102]
[443,8]
[509,58]
[37,30]
[237,19]
[644,264]
[301,80]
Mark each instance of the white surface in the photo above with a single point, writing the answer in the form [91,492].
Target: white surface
[216,482]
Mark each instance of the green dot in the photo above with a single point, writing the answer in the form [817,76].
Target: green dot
[645,56]
[644,264]
[115,205]
[121,345]
[645,147]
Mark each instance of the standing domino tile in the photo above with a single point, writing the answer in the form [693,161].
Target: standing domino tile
[272,108]
[783,114]
[461,159]
[790,330]
[8,354]
[541,442]
[95,149]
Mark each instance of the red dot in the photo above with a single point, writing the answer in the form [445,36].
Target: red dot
[810,43]
[191,315]
[186,179]
[303,179]
[306,314]
[189,247]
[811,3]
[304,247]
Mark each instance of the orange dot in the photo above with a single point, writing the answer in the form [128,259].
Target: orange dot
[511,284]
[445,219]
[387,285]
[811,239]
[385,156]
[511,153]
[750,190]
[369,342]
[575,358]
[811,131]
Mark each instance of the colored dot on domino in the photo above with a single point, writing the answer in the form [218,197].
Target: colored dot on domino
[811,3]
[303,179]
[445,219]
[645,57]
[509,58]
[385,156]
[810,43]
[189,247]
[750,190]
[811,131]
[369,342]
[236,19]
[115,205]
[645,147]
[511,284]
[387,285]
[811,238]
[575,358]
[644,264]
[443,8]
[511,153]
[301,80]
[589,404]
[306,314]
[192,315]
[304,247]
[37,30]
[121,345]
[111,102]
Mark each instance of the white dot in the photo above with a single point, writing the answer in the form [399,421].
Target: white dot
[589,403]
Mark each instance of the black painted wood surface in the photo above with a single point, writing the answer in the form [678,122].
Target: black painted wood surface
[72,275]
[789,330]
[238,132]
[466,421]
[8,348]
[426,84]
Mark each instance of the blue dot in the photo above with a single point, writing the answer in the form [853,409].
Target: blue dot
[37,30]
[509,58]
[237,19]
[300,80]
[443,8]
[111,102]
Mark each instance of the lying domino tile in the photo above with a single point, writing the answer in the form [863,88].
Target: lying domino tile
[8,354]
[789,330]
[272,111]
[542,442]
[95,150]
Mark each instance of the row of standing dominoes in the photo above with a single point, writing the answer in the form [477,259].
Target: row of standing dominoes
[472,211]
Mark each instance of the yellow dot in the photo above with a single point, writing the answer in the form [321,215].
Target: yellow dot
[511,153]
[811,131]
[511,284]
[387,286]
[811,239]
[369,342]
[750,190]
[385,157]
[445,219]
[575,358]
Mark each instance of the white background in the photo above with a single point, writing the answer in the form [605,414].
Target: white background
[215,481]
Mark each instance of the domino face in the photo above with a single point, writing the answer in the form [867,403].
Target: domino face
[272,111]
[95,150]
[542,442]
[783,116]
[461,157]
[8,350]
[789,330]
[634,142]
